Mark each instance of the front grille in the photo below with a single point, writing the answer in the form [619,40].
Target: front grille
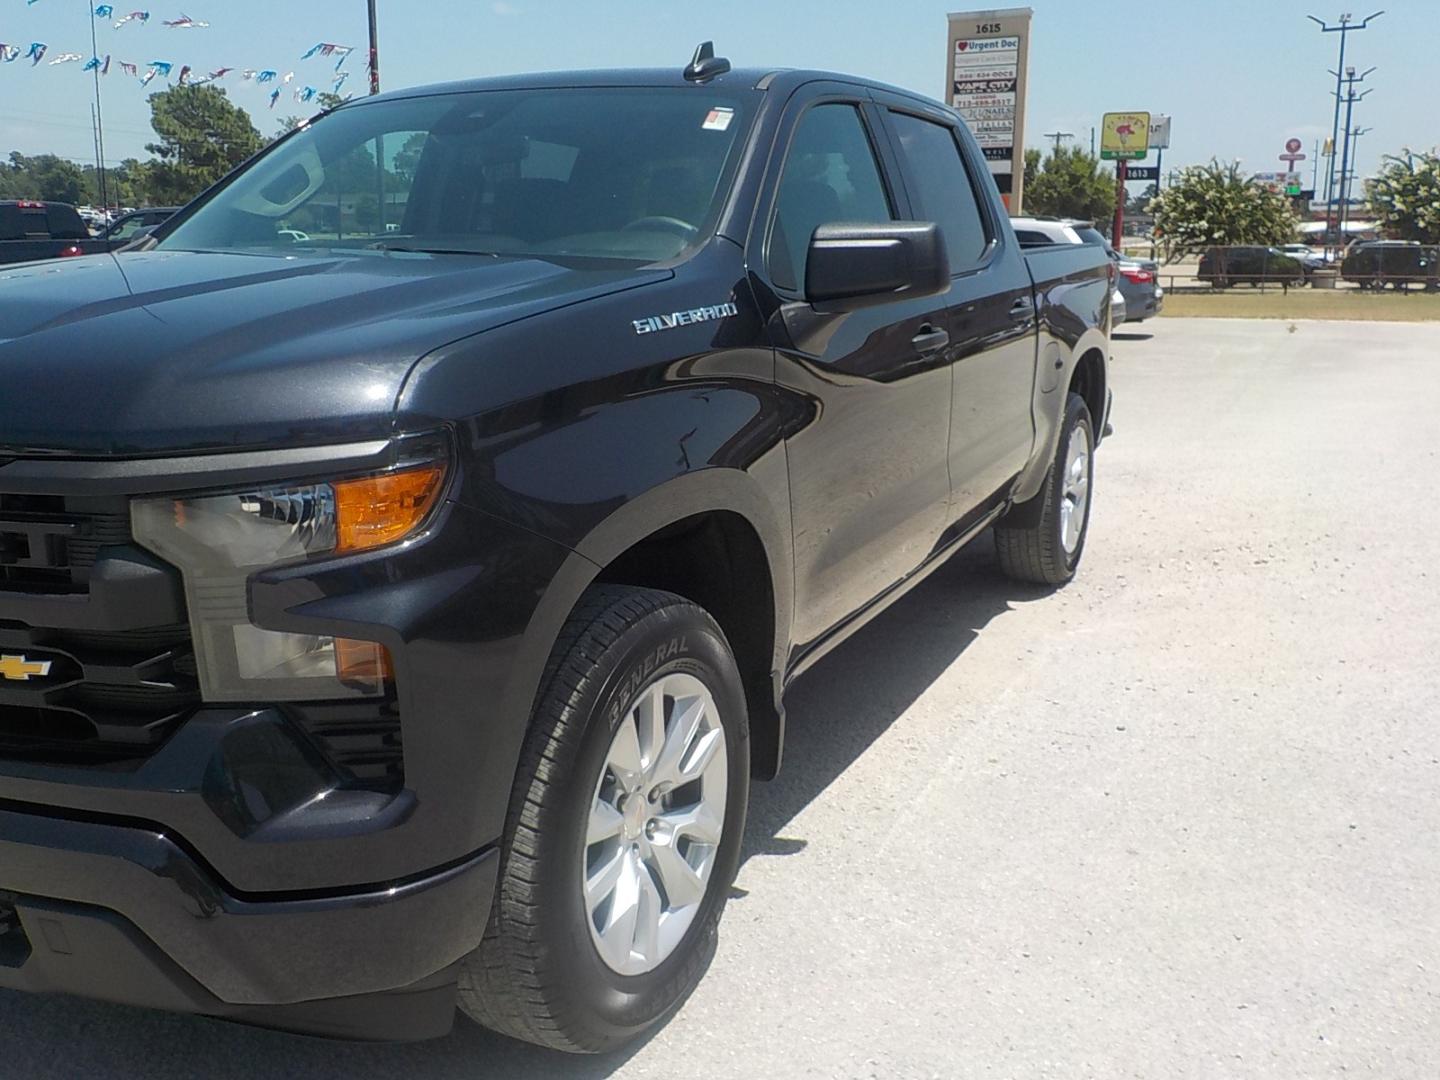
[111,697]
[106,696]
[48,543]
[98,702]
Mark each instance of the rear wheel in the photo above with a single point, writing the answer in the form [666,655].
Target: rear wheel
[624,831]
[1046,548]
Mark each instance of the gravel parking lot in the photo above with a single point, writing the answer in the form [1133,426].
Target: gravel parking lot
[1177,820]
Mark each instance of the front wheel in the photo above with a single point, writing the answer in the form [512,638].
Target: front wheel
[1043,540]
[624,830]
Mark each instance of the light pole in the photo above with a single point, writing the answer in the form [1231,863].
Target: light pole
[1349,81]
[99,119]
[1343,28]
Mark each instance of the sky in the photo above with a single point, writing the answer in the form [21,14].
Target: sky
[1238,77]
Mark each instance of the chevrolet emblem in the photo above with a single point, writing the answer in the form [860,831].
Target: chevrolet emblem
[21,668]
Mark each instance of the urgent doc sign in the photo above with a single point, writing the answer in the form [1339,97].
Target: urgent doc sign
[988,55]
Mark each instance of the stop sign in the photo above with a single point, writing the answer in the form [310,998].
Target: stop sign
[1293,145]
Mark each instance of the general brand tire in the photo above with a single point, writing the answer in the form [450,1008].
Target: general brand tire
[1037,552]
[539,974]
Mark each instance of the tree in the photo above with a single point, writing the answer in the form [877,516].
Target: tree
[1405,197]
[1140,204]
[1214,205]
[1070,184]
[202,137]
[45,177]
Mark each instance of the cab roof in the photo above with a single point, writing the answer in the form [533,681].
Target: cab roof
[782,81]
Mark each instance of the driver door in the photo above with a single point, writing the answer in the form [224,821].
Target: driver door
[869,479]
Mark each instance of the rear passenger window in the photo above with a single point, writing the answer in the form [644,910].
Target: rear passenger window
[830,175]
[943,191]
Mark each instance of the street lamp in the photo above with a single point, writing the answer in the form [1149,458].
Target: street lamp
[1343,28]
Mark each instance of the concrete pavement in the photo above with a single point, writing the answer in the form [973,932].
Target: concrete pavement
[1177,820]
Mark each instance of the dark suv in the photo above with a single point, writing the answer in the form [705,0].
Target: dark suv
[1249,265]
[397,617]
[1397,263]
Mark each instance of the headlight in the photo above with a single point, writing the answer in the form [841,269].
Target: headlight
[218,541]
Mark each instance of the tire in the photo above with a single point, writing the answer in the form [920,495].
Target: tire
[539,974]
[1033,549]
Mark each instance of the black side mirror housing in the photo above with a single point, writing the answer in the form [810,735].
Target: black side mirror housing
[855,265]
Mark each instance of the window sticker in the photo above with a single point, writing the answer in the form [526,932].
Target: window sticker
[719,119]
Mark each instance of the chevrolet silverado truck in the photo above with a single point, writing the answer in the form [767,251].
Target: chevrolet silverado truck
[35,231]
[395,619]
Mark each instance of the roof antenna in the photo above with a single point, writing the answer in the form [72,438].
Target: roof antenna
[706,65]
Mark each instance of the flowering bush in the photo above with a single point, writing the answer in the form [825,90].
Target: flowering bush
[1406,197]
[1214,205]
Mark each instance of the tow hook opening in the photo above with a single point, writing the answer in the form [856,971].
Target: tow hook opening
[14,944]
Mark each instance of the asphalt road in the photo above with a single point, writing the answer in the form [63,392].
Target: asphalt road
[1179,819]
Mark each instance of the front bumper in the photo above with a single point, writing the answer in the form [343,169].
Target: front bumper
[120,911]
[235,869]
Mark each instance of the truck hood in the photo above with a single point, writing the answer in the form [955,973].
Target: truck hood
[169,352]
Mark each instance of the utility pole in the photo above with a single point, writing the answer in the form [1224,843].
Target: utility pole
[1343,28]
[1349,81]
[99,119]
[379,139]
[1057,136]
[1354,165]
[375,50]
[1092,141]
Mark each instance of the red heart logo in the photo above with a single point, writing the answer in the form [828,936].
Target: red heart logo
[963,45]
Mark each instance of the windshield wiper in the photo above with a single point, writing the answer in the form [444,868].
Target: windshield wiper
[413,250]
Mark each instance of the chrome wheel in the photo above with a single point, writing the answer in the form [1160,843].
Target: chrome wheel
[655,824]
[1075,489]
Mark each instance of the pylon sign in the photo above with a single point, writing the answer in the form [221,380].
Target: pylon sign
[1125,136]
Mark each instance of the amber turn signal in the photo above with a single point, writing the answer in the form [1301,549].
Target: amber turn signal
[362,663]
[378,510]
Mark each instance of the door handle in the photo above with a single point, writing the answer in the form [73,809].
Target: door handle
[930,339]
[1022,309]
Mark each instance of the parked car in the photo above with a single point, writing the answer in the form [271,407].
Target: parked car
[137,223]
[1397,263]
[1138,279]
[1311,259]
[1249,265]
[33,231]
[399,621]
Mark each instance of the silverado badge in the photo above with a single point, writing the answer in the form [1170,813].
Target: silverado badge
[21,668]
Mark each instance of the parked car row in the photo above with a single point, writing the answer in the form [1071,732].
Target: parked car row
[1372,264]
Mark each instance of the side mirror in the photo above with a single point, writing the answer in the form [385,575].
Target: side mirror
[855,265]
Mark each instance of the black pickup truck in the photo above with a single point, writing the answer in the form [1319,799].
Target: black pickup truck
[398,597]
[34,231]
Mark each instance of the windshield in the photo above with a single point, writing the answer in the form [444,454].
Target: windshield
[633,174]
